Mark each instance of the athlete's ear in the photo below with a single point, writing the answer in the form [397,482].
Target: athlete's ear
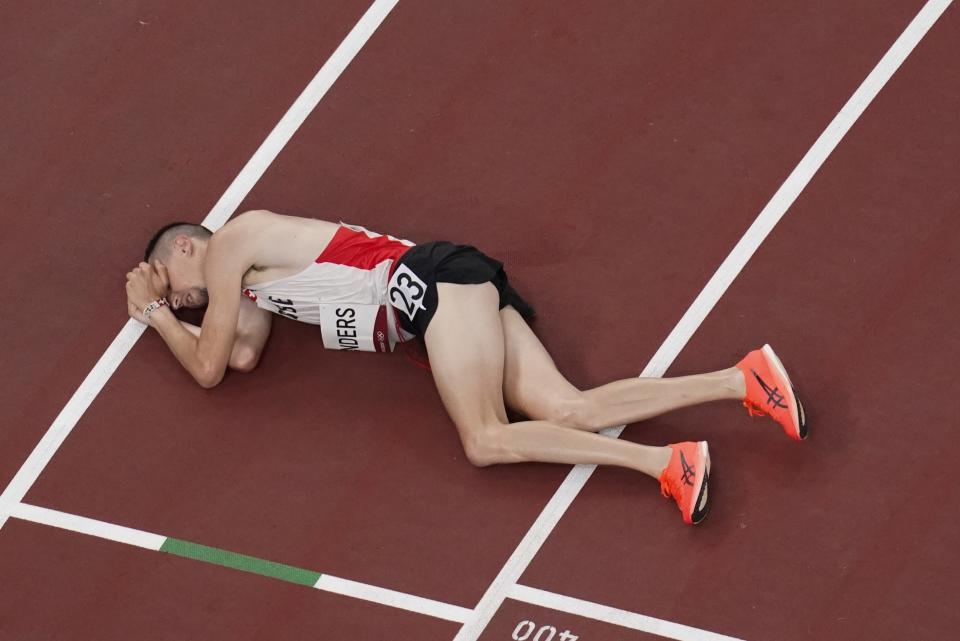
[182,244]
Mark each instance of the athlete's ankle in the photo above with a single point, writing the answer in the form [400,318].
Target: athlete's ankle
[664,456]
[737,384]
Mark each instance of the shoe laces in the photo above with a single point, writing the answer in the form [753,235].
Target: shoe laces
[670,487]
[754,409]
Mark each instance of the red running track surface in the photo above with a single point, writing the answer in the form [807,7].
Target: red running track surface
[851,535]
[611,155]
[111,127]
[71,586]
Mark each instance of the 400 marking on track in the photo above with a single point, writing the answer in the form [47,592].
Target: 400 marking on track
[527,630]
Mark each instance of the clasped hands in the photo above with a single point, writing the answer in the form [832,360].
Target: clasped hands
[145,284]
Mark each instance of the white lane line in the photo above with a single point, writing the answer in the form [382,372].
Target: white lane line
[299,111]
[393,598]
[615,616]
[795,183]
[326,583]
[68,417]
[706,300]
[90,527]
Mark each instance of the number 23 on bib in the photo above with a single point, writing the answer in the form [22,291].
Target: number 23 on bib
[406,291]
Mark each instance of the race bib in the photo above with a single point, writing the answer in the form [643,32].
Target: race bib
[406,291]
[355,327]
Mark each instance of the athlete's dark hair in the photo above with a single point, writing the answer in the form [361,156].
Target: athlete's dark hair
[163,239]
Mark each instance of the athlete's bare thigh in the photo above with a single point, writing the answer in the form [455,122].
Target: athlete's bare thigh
[532,385]
[465,345]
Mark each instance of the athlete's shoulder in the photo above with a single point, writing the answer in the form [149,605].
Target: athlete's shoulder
[251,218]
[270,240]
[260,219]
[240,237]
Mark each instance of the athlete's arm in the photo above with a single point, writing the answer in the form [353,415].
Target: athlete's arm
[253,330]
[206,356]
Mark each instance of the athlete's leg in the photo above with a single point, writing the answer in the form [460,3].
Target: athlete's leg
[465,342]
[534,387]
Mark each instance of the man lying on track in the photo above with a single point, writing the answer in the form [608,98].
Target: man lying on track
[369,292]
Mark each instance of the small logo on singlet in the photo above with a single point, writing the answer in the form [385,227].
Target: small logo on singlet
[406,291]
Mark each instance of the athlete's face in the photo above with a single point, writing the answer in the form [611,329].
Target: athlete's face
[192,297]
[185,271]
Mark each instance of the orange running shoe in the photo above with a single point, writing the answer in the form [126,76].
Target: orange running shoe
[685,479]
[769,392]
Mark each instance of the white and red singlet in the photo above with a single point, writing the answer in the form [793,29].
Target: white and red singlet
[344,291]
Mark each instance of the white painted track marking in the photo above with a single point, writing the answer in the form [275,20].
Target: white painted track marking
[505,582]
[615,616]
[90,527]
[68,417]
[706,300]
[326,583]
[393,598]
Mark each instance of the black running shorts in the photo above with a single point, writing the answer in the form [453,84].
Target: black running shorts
[413,286]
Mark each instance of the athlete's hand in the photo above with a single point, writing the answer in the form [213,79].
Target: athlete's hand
[145,285]
[160,278]
[136,313]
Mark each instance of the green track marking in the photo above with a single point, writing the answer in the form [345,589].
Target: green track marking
[240,562]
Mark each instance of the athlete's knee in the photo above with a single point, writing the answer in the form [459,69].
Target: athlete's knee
[244,360]
[485,445]
[577,411]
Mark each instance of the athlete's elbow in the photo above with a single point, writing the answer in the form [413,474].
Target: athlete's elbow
[209,377]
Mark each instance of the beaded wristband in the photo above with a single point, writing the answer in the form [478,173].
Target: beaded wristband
[154,306]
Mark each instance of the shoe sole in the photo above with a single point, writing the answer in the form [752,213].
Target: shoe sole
[796,408]
[702,485]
